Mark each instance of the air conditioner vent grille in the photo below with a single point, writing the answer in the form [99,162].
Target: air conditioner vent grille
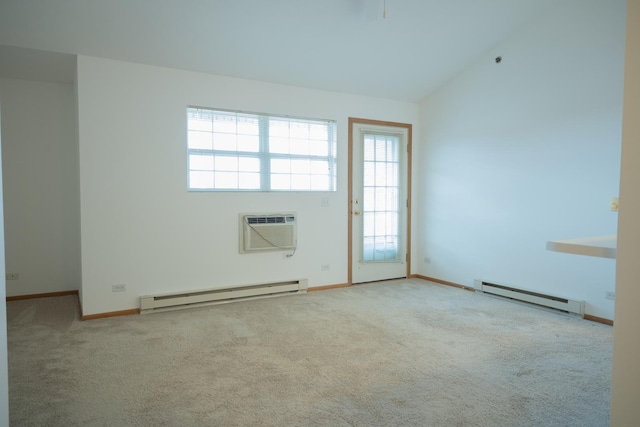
[269,219]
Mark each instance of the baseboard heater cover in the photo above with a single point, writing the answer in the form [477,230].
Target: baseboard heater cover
[549,301]
[180,300]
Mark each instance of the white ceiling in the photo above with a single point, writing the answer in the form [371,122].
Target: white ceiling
[337,45]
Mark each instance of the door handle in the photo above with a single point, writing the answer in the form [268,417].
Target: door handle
[356,213]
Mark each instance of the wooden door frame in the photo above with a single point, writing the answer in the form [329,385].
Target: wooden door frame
[409,128]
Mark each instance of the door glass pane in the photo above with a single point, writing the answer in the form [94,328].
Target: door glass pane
[380,205]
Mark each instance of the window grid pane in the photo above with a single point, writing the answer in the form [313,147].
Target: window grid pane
[381,198]
[230,150]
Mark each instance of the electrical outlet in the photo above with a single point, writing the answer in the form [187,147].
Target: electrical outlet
[119,288]
[12,276]
[611,295]
[324,267]
[324,202]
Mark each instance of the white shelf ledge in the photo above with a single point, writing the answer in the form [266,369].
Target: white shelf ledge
[600,246]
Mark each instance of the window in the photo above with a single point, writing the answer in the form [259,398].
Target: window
[381,197]
[235,151]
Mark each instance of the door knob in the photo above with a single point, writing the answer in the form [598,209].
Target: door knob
[356,212]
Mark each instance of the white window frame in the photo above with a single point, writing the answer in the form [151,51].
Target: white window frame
[263,150]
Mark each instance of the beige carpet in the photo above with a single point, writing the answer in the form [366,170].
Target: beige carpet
[402,353]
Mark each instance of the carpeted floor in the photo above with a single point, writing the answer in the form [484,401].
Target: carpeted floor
[400,353]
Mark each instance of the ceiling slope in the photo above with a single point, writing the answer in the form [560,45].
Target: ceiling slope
[336,45]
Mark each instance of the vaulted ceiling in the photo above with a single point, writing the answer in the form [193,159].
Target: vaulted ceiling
[337,45]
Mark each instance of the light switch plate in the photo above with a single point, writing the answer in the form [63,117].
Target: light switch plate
[615,203]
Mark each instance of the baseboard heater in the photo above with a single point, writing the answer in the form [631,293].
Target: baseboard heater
[176,301]
[549,301]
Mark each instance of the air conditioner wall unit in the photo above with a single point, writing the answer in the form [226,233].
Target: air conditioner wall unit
[268,232]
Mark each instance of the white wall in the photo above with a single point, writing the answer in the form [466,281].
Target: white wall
[40,172]
[4,372]
[625,387]
[525,151]
[142,228]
